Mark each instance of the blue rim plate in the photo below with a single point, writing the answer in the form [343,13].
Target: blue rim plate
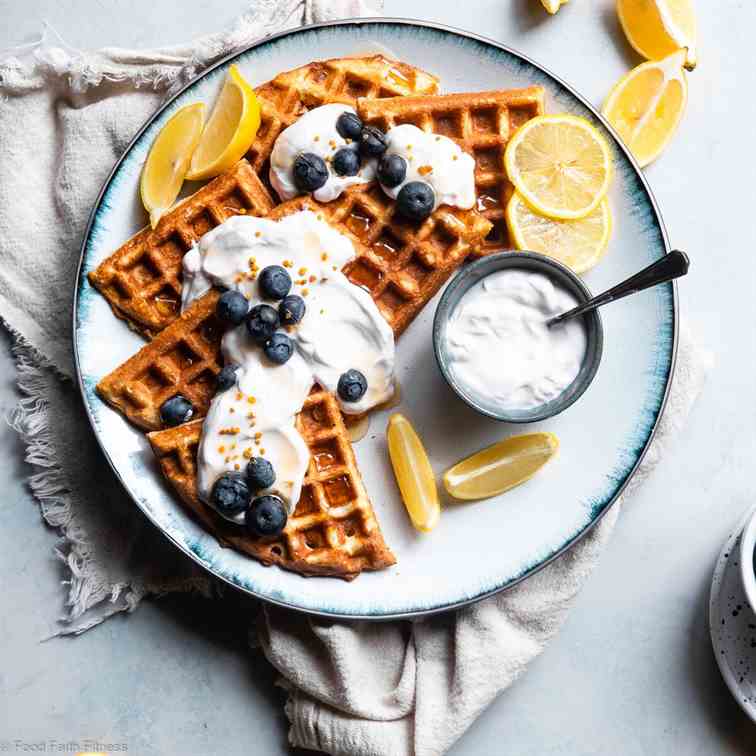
[477,549]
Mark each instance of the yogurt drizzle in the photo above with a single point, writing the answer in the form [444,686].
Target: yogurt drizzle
[342,328]
[500,346]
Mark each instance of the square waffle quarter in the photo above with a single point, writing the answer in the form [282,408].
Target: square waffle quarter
[482,124]
[333,530]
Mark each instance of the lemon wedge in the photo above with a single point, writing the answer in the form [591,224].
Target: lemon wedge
[552,6]
[230,130]
[413,472]
[579,244]
[560,164]
[500,467]
[647,104]
[168,160]
[656,28]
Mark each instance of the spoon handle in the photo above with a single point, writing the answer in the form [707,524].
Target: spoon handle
[671,266]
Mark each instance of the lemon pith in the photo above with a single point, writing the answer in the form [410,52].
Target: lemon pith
[647,104]
[230,130]
[168,160]
[500,467]
[579,244]
[657,28]
[413,472]
[560,164]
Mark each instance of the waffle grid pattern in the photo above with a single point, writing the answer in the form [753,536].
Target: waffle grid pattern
[482,124]
[333,530]
[142,279]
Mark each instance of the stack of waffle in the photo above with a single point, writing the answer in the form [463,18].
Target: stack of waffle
[333,530]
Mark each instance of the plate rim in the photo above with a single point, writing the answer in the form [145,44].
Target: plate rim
[455,31]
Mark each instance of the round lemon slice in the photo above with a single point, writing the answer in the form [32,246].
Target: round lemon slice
[552,6]
[230,130]
[413,472]
[579,244]
[560,164]
[500,467]
[647,104]
[656,28]
[168,160]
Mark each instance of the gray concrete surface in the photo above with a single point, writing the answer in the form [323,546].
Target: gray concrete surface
[632,673]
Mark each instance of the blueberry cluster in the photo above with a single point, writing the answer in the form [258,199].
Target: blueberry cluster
[236,492]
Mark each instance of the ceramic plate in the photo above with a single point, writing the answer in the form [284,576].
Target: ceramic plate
[732,625]
[478,548]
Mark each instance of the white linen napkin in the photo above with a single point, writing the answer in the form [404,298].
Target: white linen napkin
[354,688]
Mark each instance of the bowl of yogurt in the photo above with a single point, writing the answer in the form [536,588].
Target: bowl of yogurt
[493,345]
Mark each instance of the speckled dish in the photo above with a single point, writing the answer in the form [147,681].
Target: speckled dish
[562,277]
[732,622]
[477,549]
[748,560]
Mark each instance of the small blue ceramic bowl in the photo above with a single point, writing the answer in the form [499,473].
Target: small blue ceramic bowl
[561,276]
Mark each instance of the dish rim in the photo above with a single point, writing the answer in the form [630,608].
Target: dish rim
[402,22]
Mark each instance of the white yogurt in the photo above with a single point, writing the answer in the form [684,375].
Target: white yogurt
[315,132]
[436,160]
[342,329]
[500,347]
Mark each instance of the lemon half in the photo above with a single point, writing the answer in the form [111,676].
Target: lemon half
[647,104]
[560,164]
[168,160]
[579,244]
[552,6]
[230,130]
[656,28]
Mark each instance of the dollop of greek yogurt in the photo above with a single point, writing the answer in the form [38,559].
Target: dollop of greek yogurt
[436,160]
[342,328]
[315,132]
[499,344]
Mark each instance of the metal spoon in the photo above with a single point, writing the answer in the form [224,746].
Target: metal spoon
[671,266]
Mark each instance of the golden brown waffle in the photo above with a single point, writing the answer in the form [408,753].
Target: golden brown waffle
[142,279]
[291,93]
[183,358]
[402,264]
[482,124]
[333,530]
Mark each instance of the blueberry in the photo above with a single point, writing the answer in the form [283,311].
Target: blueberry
[226,378]
[349,125]
[262,322]
[266,516]
[260,474]
[415,200]
[310,172]
[392,170]
[176,410]
[372,141]
[274,282]
[279,348]
[352,385]
[232,307]
[230,494]
[346,162]
[291,310]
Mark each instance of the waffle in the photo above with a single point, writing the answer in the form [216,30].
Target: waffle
[481,123]
[401,264]
[142,279]
[333,530]
[291,93]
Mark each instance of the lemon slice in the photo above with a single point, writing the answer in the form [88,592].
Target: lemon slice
[230,130]
[647,104]
[560,164]
[579,244]
[552,6]
[500,467]
[168,160]
[656,28]
[413,472]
